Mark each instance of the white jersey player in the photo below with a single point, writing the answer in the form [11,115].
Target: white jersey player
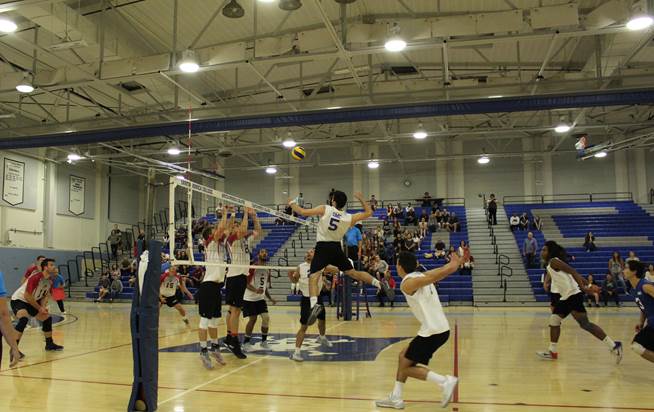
[170,291]
[334,222]
[254,301]
[422,297]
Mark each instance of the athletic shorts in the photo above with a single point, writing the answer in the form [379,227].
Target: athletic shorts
[573,303]
[329,253]
[646,337]
[235,286]
[554,297]
[421,349]
[209,300]
[255,308]
[305,310]
[171,301]
[18,304]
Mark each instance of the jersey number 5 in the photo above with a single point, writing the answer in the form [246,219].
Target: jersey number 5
[333,223]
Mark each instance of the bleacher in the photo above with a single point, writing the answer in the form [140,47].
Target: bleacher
[621,226]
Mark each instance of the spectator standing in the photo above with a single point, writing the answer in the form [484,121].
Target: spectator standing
[6,328]
[58,293]
[514,222]
[115,239]
[354,243]
[426,200]
[433,221]
[492,209]
[529,248]
[589,242]
[616,266]
[300,200]
[524,222]
[610,289]
[537,224]
[373,203]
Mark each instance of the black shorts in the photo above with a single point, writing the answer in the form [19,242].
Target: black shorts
[329,253]
[209,300]
[646,337]
[554,297]
[305,310]
[421,349]
[573,303]
[171,301]
[17,305]
[255,308]
[235,286]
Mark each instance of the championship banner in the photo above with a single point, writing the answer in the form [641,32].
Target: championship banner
[13,182]
[76,194]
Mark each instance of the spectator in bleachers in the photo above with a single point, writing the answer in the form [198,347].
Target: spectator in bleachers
[616,266]
[439,252]
[426,200]
[433,221]
[453,224]
[461,249]
[492,209]
[423,227]
[105,286]
[649,275]
[300,200]
[354,242]
[397,230]
[467,263]
[632,256]
[373,203]
[537,224]
[410,216]
[610,289]
[409,244]
[389,213]
[514,222]
[524,222]
[398,211]
[592,291]
[417,239]
[450,252]
[529,248]
[589,242]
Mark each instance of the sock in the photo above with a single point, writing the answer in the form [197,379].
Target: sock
[203,345]
[298,351]
[609,342]
[214,342]
[397,390]
[264,337]
[375,283]
[553,347]
[313,300]
[435,378]
[247,339]
[234,334]
[322,337]
[49,341]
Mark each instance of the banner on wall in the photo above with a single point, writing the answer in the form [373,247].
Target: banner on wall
[76,195]
[13,182]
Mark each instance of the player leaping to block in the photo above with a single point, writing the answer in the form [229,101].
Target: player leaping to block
[334,222]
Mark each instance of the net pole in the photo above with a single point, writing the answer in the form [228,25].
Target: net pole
[189,224]
[171,216]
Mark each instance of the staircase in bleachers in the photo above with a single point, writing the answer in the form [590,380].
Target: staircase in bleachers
[617,226]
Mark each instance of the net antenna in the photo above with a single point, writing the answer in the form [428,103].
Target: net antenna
[191,187]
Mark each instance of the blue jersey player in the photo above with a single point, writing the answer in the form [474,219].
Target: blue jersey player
[643,293]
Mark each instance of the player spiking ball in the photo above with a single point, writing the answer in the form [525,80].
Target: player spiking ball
[334,222]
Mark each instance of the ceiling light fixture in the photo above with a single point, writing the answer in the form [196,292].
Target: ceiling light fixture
[289,143]
[483,160]
[640,22]
[266,1]
[562,128]
[271,170]
[73,157]
[290,5]
[25,86]
[601,154]
[421,133]
[373,164]
[189,63]
[174,150]
[395,43]
[7,26]
[233,10]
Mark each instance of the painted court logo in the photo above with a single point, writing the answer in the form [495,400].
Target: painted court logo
[344,349]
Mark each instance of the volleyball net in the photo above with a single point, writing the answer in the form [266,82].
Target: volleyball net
[275,229]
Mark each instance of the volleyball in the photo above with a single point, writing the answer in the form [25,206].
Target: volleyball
[298,153]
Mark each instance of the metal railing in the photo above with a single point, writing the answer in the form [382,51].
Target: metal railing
[445,201]
[569,197]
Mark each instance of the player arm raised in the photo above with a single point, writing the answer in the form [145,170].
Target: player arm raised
[257,223]
[558,264]
[243,229]
[410,286]
[367,210]
[220,229]
[316,211]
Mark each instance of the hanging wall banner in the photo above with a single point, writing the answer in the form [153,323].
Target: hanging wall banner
[76,195]
[13,182]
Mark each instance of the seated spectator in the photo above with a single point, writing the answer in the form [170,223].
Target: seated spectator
[391,284]
[450,252]
[610,290]
[105,286]
[397,230]
[616,266]
[433,222]
[417,239]
[423,227]
[589,242]
[529,249]
[524,222]
[514,222]
[537,224]
[649,275]
[426,200]
[373,202]
[398,211]
[461,249]
[116,286]
[439,252]
[467,262]
[410,218]
[592,291]
[390,214]
[409,244]
[632,256]
[453,224]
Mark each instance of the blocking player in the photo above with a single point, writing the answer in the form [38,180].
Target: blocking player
[170,291]
[254,301]
[334,222]
[422,297]
[643,293]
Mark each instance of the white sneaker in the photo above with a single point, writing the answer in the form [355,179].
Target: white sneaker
[390,402]
[322,340]
[206,360]
[215,352]
[264,345]
[297,357]
[247,347]
[448,390]
[548,355]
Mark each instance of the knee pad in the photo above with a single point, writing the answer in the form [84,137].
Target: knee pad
[213,323]
[22,324]
[47,325]
[204,323]
[555,320]
[265,320]
[638,348]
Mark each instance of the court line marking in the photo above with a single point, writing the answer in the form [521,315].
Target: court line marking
[288,395]
[456,361]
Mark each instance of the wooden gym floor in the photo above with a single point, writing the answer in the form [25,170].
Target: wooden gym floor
[491,350]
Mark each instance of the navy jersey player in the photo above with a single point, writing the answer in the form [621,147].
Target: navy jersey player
[334,222]
[643,293]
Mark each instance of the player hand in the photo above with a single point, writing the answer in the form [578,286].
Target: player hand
[638,328]
[455,260]
[358,195]
[249,211]
[260,291]
[15,357]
